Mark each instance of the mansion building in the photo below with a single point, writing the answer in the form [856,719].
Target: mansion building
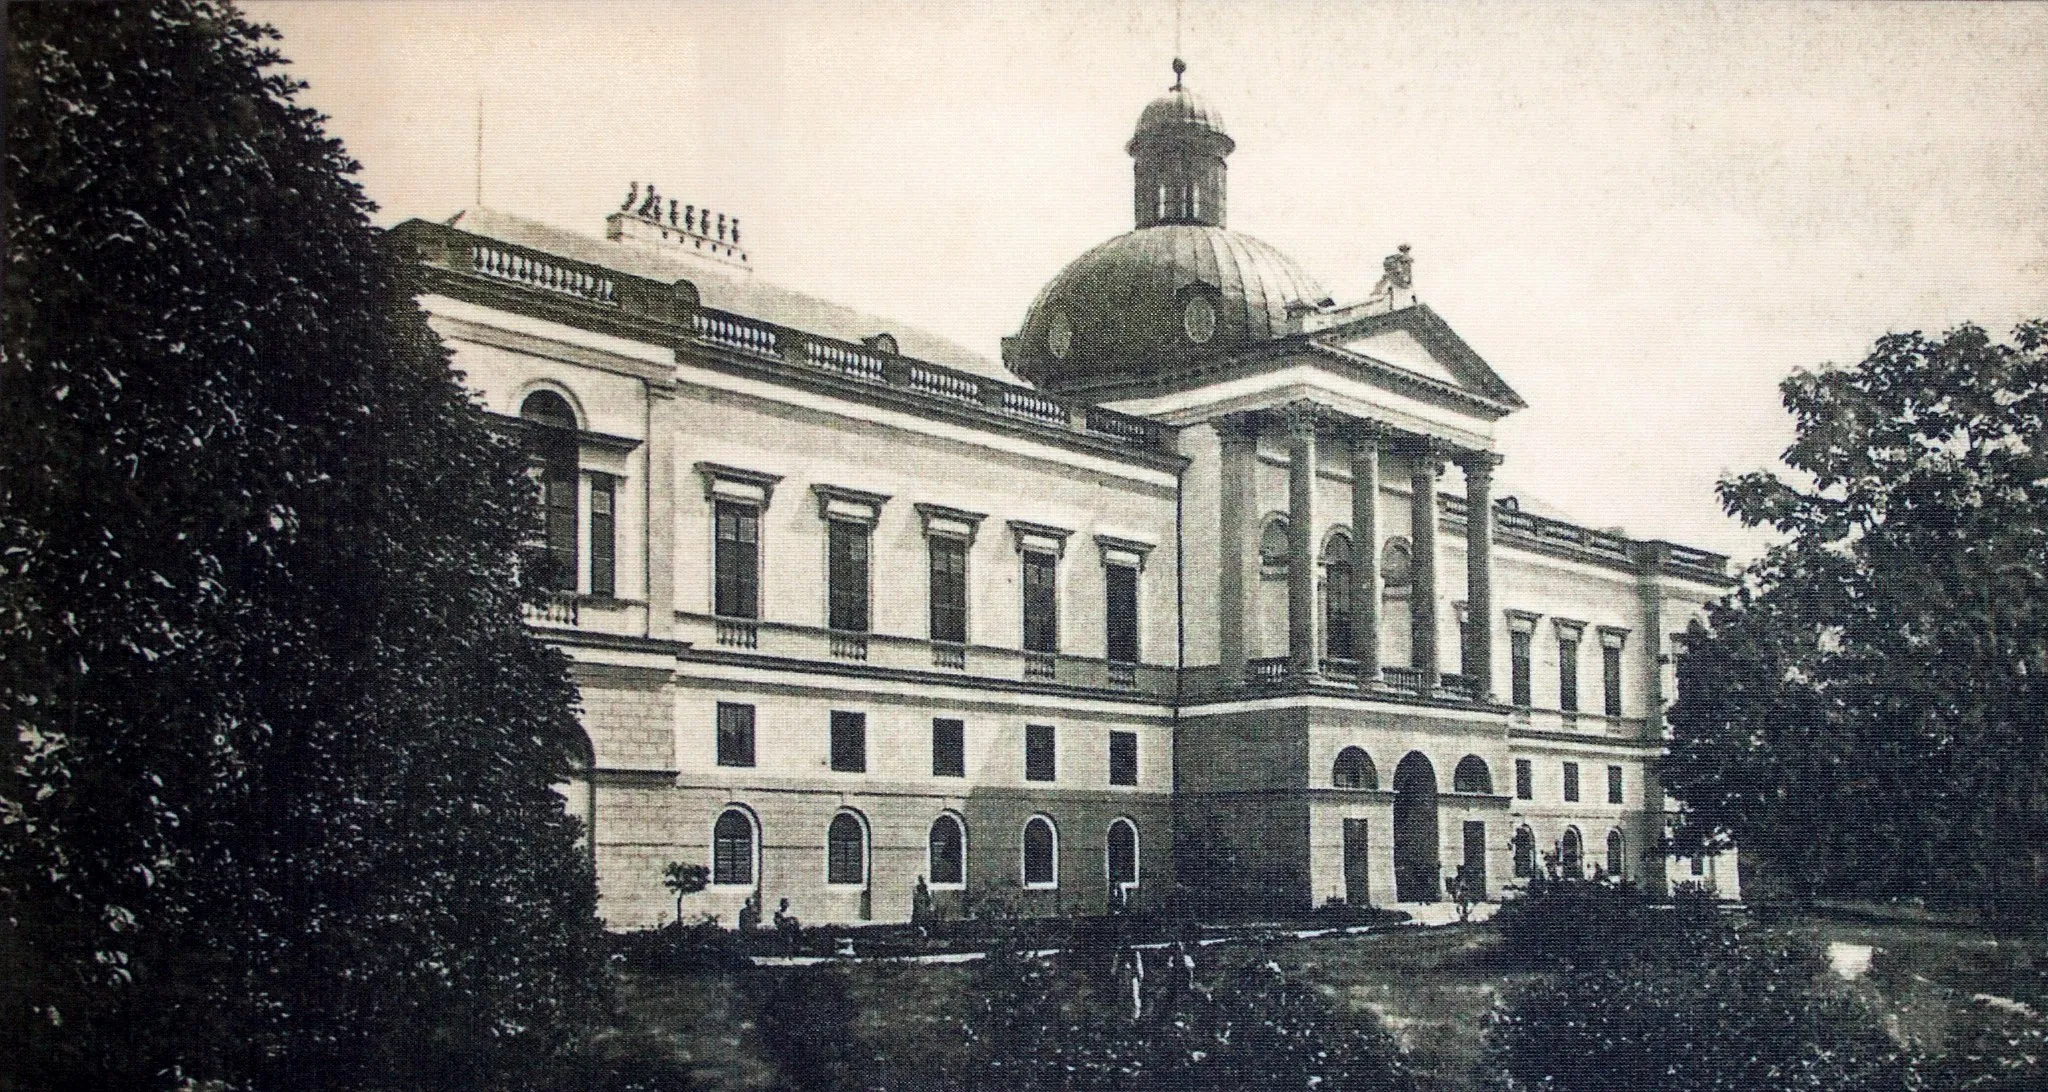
[1203,589]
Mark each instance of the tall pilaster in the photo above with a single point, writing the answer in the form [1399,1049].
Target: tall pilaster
[1304,622]
[1239,435]
[1429,462]
[659,558]
[1364,439]
[1478,466]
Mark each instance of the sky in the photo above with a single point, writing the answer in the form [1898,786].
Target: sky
[1643,216]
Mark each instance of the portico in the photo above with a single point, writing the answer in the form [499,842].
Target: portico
[1309,429]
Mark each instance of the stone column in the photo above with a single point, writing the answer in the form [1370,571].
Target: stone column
[1429,463]
[1304,622]
[1239,435]
[1478,467]
[1365,538]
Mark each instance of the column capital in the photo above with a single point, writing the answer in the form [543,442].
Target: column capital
[1363,432]
[1478,464]
[1238,427]
[1430,453]
[1302,418]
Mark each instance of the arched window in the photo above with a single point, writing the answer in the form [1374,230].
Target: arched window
[1617,855]
[1273,547]
[1337,607]
[1572,855]
[846,850]
[1525,853]
[1397,564]
[1472,776]
[1354,770]
[1041,853]
[948,852]
[551,449]
[1122,854]
[732,848]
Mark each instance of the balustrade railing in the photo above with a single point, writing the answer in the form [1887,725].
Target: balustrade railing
[944,384]
[860,365]
[733,333]
[1121,674]
[950,656]
[1041,665]
[1340,669]
[1402,678]
[558,610]
[533,271]
[850,646]
[1026,403]
[1270,669]
[734,634]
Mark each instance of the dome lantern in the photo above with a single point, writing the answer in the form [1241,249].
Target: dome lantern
[1177,170]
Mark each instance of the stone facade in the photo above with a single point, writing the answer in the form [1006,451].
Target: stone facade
[848,602]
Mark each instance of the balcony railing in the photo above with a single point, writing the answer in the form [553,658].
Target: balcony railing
[788,641]
[738,634]
[1270,669]
[1582,723]
[559,609]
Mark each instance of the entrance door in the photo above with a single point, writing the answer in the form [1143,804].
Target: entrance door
[1475,857]
[1417,870]
[1357,859]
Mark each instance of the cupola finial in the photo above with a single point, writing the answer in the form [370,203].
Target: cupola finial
[1179,66]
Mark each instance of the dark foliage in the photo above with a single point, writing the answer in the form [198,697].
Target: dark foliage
[1700,1006]
[1864,715]
[703,945]
[1068,1023]
[1549,926]
[806,1021]
[276,807]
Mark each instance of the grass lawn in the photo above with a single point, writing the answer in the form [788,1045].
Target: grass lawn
[1431,987]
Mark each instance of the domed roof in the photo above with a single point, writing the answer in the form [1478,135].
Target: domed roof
[1179,109]
[1158,297]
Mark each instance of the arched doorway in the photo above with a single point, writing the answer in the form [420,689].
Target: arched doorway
[1571,855]
[1417,873]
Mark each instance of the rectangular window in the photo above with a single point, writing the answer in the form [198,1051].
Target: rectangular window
[1610,678]
[735,734]
[949,590]
[603,537]
[1525,780]
[1568,675]
[949,748]
[847,576]
[1121,582]
[1614,784]
[1123,758]
[849,742]
[1464,644]
[1041,602]
[1519,655]
[737,559]
[1039,760]
[1571,782]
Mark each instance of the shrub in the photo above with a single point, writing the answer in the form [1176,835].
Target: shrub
[1058,1024]
[1740,1011]
[1578,924]
[699,946]
[1996,1048]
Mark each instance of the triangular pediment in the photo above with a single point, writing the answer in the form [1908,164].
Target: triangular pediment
[1415,345]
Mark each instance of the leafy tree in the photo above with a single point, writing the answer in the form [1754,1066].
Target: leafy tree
[1864,715]
[276,806]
